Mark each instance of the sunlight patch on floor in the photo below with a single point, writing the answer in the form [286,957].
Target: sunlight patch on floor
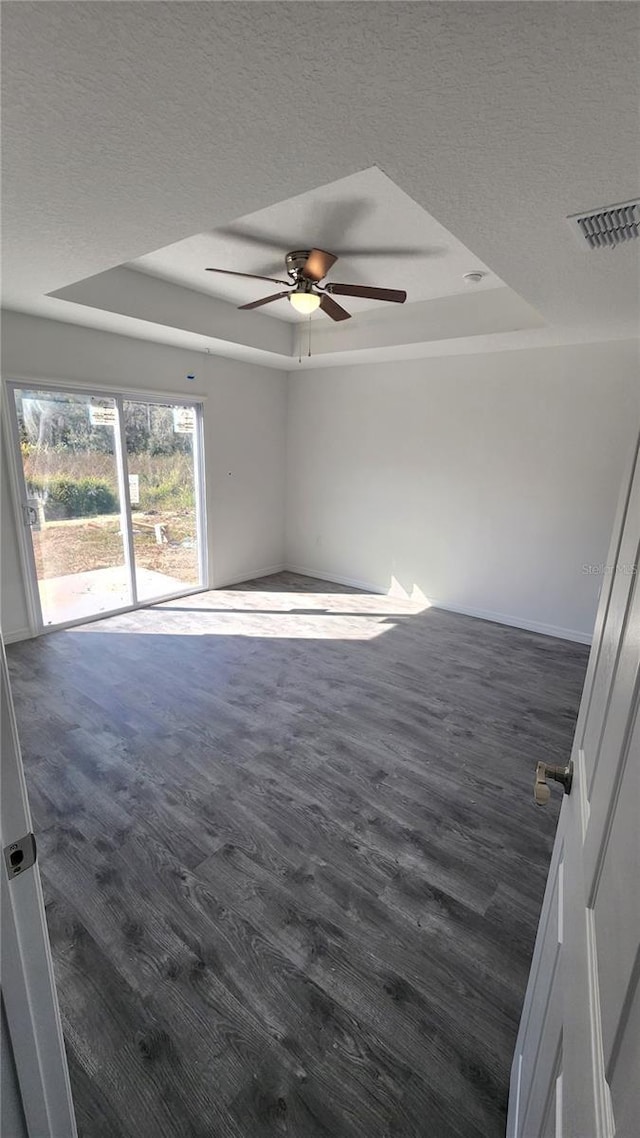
[268,614]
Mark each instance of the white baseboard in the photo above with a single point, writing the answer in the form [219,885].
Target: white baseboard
[16,635]
[246,575]
[480,614]
[353,582]
[517,622]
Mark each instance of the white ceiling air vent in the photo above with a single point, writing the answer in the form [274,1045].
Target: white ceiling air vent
[609,226]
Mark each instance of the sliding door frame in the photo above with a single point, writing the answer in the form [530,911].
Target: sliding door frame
[18,489]
[26,553]
[124,493]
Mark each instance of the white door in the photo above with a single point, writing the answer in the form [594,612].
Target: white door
[28,991]
[576,1068]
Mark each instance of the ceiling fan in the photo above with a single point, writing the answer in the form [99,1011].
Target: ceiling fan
[306,268]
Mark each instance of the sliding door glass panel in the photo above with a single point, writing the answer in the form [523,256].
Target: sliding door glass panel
[69,450]
[161,455]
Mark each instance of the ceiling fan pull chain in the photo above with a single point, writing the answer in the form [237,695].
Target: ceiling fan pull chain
[309,352]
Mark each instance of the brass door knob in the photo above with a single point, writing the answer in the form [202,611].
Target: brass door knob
[564,775]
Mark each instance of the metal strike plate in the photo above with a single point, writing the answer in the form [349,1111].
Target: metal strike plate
[20,855]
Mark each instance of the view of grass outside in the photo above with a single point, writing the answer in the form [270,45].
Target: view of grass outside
[87,540]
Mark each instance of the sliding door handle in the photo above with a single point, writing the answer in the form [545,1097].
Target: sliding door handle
[30,515]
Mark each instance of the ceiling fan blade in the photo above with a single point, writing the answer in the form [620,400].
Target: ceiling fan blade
[395,295]
[251,276]
[334,310]
[389,251]
[318,264]
[265,300]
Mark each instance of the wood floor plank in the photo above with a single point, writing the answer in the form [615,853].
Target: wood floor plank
[314,1043]
[399,965]
[125,1050]
[291,859]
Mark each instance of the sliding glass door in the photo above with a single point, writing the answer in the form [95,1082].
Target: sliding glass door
[111,498]
[161,445]
[72,502]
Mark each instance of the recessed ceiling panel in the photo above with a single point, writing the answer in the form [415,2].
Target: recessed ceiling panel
[379,234]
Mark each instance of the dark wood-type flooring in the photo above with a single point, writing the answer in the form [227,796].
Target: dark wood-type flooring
[291,859]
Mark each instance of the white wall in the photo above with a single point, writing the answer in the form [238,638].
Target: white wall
[486,482]
[245,418]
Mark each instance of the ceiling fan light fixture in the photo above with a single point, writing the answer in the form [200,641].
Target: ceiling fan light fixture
[304,302]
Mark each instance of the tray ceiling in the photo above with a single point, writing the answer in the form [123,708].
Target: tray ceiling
[388,240]
[129,128]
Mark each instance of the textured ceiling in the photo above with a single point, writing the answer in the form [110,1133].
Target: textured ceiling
[130,127]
